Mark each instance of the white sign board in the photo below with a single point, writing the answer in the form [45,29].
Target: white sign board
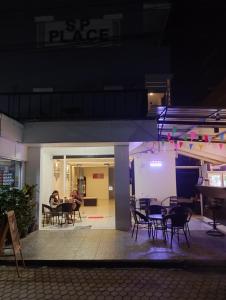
[81,32]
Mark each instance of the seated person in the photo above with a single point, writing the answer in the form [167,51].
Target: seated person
[76,199]
[54,199]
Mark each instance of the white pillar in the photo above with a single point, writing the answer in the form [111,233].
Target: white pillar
[122,212]
[64,178]
[32,175]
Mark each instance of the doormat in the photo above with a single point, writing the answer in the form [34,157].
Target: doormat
[95,217]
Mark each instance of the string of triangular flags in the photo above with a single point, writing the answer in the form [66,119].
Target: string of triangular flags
[193,136]
[179,144]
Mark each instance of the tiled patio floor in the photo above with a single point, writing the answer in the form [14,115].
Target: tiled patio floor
[72,283]
[108,244]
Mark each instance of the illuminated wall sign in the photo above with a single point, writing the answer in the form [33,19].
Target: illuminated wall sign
[83,32]
[155,163]
[98,176]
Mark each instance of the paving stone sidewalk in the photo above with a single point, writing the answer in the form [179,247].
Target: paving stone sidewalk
[112,283]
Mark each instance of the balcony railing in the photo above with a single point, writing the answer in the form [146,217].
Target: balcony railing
[77,105]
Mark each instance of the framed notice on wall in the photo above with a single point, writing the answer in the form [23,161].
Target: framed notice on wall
[98,175]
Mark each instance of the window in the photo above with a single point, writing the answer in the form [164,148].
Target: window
[10,172]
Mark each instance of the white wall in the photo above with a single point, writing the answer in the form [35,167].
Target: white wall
[12,150]
[11,133]
[75,150]
[32,174]
[155,182]
[58,183]
[97,187]
[11,129]
[90,131]
[46,176]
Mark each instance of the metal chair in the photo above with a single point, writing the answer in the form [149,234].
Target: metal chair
[76,208]
[47,215]
[183,210]
[144,203]
[140,220]
[177,223]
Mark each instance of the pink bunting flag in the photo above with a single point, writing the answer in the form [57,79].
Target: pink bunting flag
[193,135]
[205,138]
[175,146]
[190,146]
[221,146]
[181,144]
[168,136]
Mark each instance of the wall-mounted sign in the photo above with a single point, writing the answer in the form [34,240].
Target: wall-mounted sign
[80,32]
[98,175]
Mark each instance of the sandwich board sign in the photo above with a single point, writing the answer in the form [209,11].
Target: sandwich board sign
[11,228]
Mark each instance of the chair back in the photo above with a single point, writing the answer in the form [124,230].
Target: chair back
[154,209]
[46,208]
[144,203]
[178,220]
[178,210]
[173,201]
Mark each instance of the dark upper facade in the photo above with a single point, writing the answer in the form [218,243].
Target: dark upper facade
[64,57]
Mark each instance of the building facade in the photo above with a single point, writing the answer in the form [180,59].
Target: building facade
[80,79]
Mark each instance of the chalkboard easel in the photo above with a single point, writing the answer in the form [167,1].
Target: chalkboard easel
[11,227]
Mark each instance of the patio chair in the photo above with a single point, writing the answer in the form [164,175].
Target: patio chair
[177,223]
[144,203]
[140,220]
[76,208]
[183,210]
[47,216]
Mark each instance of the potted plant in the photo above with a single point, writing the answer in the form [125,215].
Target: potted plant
[21,201]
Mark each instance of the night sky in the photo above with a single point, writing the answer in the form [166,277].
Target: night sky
[196,33]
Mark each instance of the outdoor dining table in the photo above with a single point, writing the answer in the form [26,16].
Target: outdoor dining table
[156,217]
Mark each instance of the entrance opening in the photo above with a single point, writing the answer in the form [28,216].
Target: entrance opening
[92,178]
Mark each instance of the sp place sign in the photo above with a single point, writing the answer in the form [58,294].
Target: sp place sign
[81,32]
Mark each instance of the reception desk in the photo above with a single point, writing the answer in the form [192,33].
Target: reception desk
[90,201]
